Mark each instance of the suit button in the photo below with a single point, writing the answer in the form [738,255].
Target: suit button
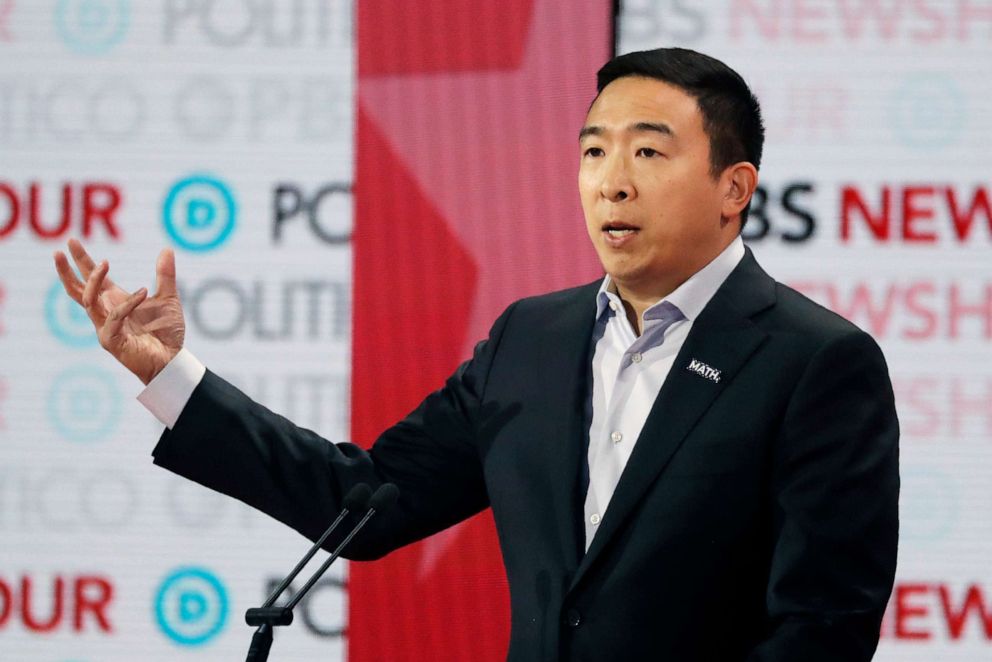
[573,618]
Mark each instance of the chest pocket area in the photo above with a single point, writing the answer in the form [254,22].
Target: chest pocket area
[701,458]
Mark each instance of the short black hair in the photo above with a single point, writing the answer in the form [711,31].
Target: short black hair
[731,114]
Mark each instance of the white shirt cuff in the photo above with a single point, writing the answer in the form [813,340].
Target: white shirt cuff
[167,394]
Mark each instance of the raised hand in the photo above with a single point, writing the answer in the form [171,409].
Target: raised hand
[143,333]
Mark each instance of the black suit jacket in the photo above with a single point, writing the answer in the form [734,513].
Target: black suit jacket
[756,519]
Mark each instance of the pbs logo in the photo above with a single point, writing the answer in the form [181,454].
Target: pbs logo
[191,606]
[199,213]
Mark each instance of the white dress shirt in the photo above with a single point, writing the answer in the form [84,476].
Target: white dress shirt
[628,372]
[169,391]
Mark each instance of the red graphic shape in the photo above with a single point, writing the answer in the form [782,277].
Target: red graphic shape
[413,284]
[465,199]
[453,35]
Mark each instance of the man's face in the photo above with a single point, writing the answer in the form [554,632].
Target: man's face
[652,208]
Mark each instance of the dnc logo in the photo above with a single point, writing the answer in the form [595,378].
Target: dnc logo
[191,606]
[199,213]
[91,27]
[67,320]
[84,404]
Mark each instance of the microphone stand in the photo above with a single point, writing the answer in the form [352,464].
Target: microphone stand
[267,617]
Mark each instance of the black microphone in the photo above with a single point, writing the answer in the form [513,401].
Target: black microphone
[383,498]
[356,500]
[267,616]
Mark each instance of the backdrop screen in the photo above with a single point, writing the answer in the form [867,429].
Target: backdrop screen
[352,190]
[224,130]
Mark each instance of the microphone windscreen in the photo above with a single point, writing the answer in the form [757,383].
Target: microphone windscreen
[384,497]
[357,499]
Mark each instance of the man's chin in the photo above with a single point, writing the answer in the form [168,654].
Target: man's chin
[640,279]
[625,277]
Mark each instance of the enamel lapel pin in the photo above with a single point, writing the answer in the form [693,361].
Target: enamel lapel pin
[704,370]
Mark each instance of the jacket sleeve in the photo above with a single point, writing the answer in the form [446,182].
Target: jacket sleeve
[835,487]
[231,444]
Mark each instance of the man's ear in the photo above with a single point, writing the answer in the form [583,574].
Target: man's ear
[739,183]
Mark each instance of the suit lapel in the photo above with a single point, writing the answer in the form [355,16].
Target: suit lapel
[565,358]
[722,337]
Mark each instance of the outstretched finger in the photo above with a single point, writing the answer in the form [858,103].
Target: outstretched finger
[82,259]
[73,286]
[115,320]
[165,273]
[91,294]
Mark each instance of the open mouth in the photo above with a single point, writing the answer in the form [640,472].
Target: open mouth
[619,229]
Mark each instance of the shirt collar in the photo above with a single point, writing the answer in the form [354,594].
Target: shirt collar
[691,296]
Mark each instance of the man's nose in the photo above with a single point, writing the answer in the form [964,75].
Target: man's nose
[617,185]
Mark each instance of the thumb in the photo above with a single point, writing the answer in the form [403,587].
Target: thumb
[165,274]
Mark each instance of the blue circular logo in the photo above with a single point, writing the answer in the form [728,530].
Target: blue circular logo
[91,27]
[67,320]
[928,111]
[84,404]
[191,606]
[928,504]
[199,213]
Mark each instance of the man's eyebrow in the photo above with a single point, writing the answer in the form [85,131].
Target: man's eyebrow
[590,131]
[657,127]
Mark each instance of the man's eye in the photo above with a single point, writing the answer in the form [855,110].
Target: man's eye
[648,152]
[593,151]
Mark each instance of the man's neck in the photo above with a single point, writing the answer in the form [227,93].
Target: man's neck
[639,296]
[635,304]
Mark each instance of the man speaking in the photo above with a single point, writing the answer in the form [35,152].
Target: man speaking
[686,461]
